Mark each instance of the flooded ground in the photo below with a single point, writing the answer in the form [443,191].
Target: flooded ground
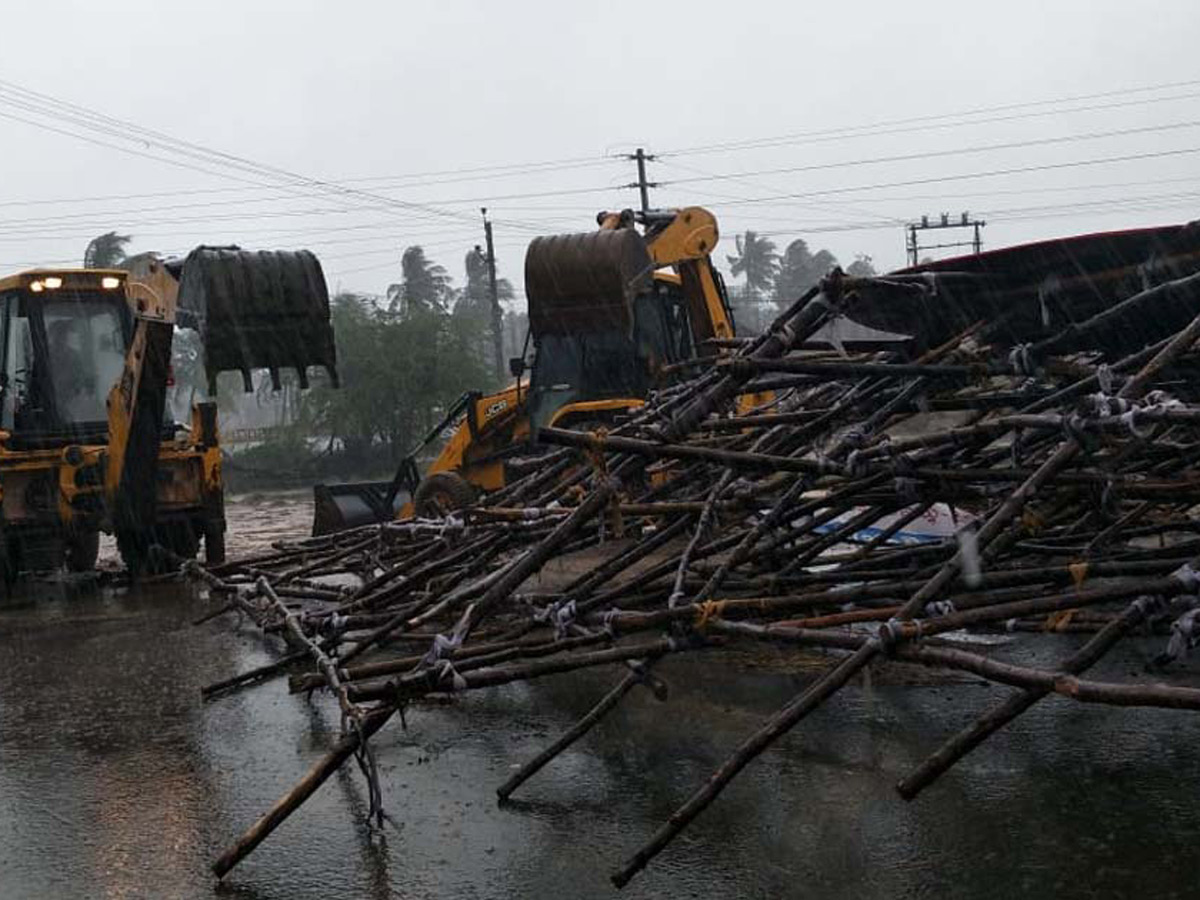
[117,782]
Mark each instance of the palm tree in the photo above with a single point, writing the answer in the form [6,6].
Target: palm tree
[106,251]
[424,285]
[756,260]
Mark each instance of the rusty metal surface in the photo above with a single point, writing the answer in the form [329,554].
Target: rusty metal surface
[1030,291]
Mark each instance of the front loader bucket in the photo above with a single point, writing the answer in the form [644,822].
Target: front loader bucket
[258,310]
[580,283]
[337,507]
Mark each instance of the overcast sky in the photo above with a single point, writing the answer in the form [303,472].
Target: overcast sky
[411,116]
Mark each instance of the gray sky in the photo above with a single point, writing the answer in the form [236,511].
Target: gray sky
[394,101]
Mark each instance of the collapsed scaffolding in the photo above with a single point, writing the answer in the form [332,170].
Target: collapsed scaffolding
[1049,404]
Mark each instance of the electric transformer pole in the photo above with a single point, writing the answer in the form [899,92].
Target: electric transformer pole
[497,312]
[641,157]
[965,221]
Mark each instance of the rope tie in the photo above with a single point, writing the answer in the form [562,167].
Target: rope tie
[608,619]
[854,438]
[707,610]
[856,465]
[452,529]
[1022,361]
[564,618]
[1149,605]
[1188,577]
[1079,573]
[890,634]
[1185,634]
[1129,420]
[334,625]
[825,465]
[443,646]
[939,608]
[444,671]
[1073,428]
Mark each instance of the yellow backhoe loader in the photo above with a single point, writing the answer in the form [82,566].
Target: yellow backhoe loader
[84,371]
[609,312]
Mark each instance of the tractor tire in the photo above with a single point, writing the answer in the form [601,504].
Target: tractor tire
[442,493]
[134,547]
[214,543]
[81,549]
[139,553]
[10,568]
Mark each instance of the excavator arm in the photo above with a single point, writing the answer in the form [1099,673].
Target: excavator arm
[252,309]
[684,239]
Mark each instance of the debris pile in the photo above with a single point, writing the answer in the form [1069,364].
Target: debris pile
[1064,455]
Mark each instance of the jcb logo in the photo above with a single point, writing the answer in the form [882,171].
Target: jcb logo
[495,409]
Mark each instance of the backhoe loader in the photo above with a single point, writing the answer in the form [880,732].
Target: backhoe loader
[609,312]
[84,372]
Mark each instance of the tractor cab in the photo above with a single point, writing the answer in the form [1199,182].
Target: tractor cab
[624,360]
[63,340]
[603,320]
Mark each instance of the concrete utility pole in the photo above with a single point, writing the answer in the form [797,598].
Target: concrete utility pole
[641,157]
[965,221]
[497,312]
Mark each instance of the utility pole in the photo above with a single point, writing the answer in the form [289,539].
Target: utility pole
[914,248]
[497,312]
[641,157]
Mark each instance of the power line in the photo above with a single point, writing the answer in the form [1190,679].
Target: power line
[382,201]
[53,108]
[955,151]
[1016,170]
[753,143]
[409,180]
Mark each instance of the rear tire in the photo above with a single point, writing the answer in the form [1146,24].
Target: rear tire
[179,538]
[214,543]
[81,549]
[441,493]
[10,568]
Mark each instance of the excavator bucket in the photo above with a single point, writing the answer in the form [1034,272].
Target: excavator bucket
[266,309]
[337,507]
[579,283]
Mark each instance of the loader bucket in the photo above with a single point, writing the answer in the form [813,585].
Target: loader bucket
[258,310]
[337,507]
[580,283]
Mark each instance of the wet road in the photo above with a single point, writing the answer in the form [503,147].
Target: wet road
[116,782]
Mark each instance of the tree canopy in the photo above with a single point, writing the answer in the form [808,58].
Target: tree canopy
[107,251]
[423,286]
[756,261]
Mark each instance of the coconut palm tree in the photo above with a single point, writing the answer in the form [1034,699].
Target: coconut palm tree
[758,263]
[106,251]
[424,285]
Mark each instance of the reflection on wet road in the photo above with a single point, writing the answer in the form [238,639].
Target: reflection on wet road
[116,782]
